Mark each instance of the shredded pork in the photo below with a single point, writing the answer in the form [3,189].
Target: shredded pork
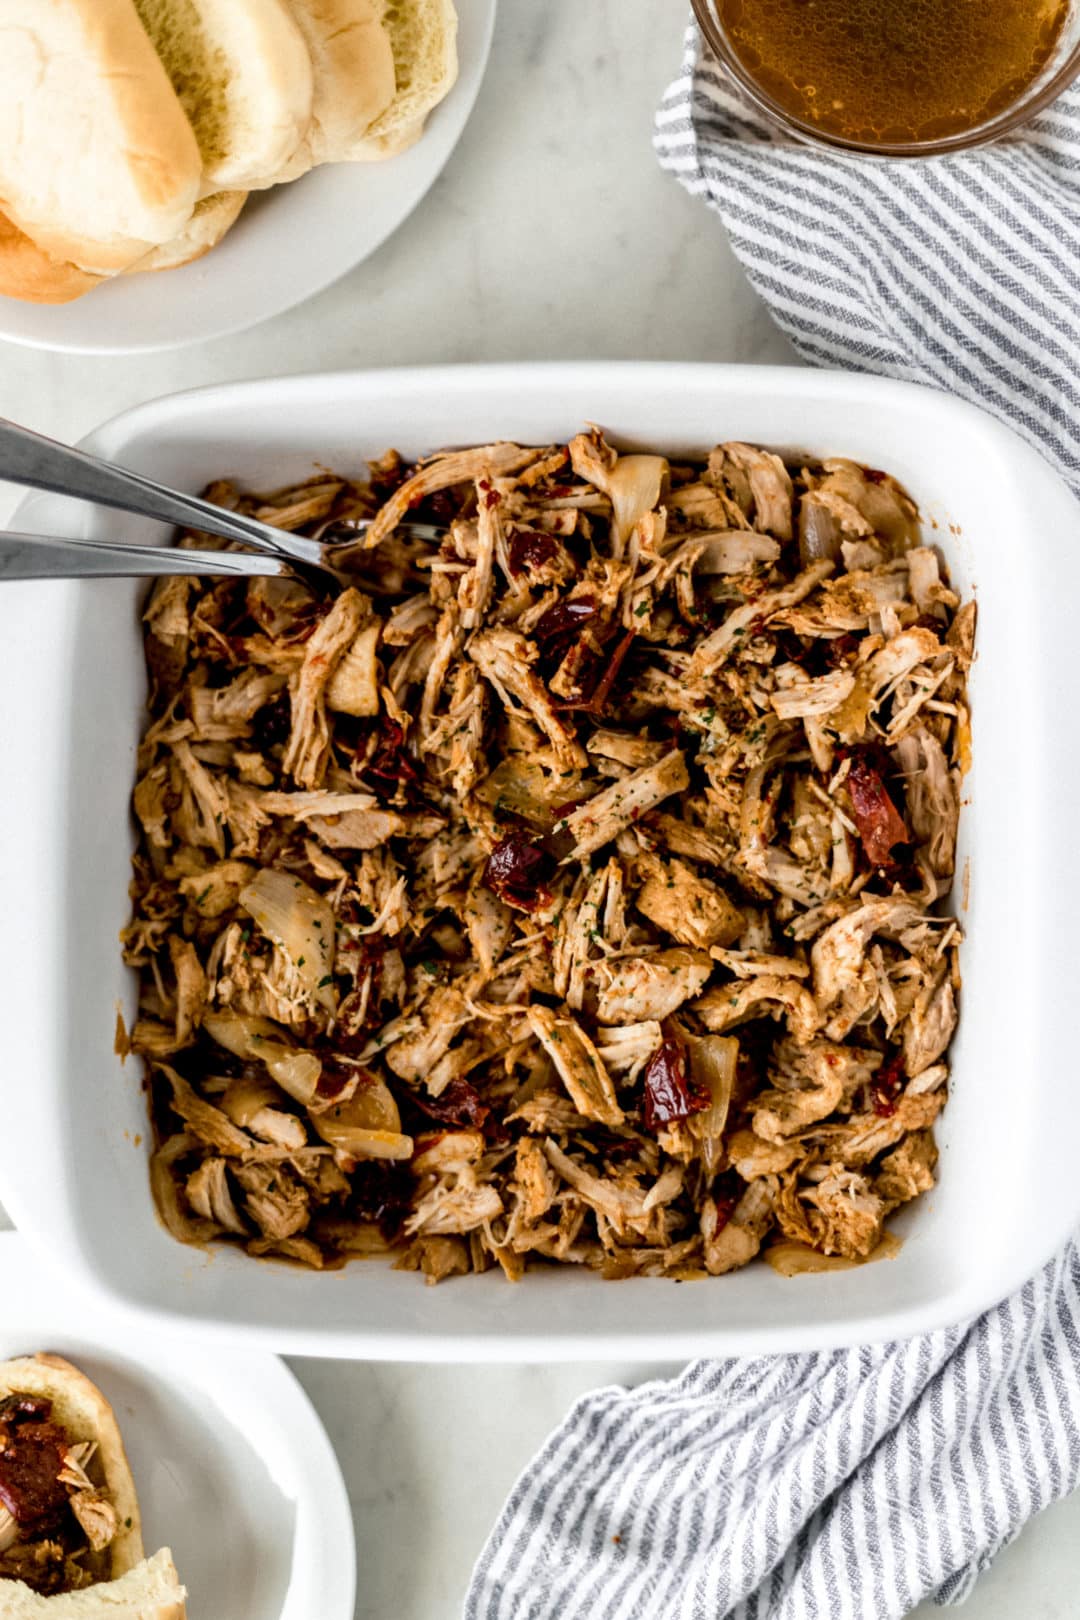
[573,890]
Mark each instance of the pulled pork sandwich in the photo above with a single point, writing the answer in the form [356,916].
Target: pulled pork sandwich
[570,890]
[70,1533]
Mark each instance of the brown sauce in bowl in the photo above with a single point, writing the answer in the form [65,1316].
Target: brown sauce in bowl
[884,72]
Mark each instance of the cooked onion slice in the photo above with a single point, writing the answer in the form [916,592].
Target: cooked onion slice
[367,1125]
[819,532]
[712,1066]
[291,914]
[793,1259]
[634,487]
[247,1036]
[632,483]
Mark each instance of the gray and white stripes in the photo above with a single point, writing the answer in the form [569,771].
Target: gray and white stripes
[962,271]
[851,1485]
[802,1487]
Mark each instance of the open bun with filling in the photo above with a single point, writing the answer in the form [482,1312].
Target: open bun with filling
[70,1530]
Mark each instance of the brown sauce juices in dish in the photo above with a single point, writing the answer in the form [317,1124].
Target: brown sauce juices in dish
[883,73]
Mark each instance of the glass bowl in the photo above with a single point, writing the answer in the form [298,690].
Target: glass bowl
[1058,73]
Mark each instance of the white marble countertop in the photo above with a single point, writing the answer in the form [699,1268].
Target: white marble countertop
[551,234]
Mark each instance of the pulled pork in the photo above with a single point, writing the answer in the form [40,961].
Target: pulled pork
[570,890]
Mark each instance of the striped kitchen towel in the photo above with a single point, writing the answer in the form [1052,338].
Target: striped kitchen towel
[960,271]
[844,1485]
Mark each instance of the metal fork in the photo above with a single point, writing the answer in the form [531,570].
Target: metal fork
[40,556]
[41,463]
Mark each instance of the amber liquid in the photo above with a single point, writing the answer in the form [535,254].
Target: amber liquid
[890,71]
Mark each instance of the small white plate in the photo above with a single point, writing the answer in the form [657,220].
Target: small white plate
[233,1468]
[288,244]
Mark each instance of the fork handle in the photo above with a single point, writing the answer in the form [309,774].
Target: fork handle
[31,459]
[38,556]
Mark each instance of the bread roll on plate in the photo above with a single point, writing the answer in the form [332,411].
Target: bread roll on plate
[242,71]
[213,217]
[423,38]
[70,1531]
[28,272]
[98,162]
[353,65]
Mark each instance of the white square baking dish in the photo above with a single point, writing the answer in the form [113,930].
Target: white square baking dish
[73,1131]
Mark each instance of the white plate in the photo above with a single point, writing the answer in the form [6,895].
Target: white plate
[233,1468]
[72,689]
[289,243]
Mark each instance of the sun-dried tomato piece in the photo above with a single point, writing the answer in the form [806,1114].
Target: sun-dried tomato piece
[335,1076]
[439,508]
[355,952]
[531,548]
[596,704]
[727,1189]
[565,620]
[390,762]
[559,812]
[887,1084]
[840,650]
[517,871]
[272,723]
[670,1093]
[459,1103]
[381,1192]
[617,1149]
[880,824]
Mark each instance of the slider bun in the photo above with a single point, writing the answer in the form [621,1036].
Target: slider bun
[423,38]
[213,217]
[97,160]
[27,272]
[353,64]
[242,71]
